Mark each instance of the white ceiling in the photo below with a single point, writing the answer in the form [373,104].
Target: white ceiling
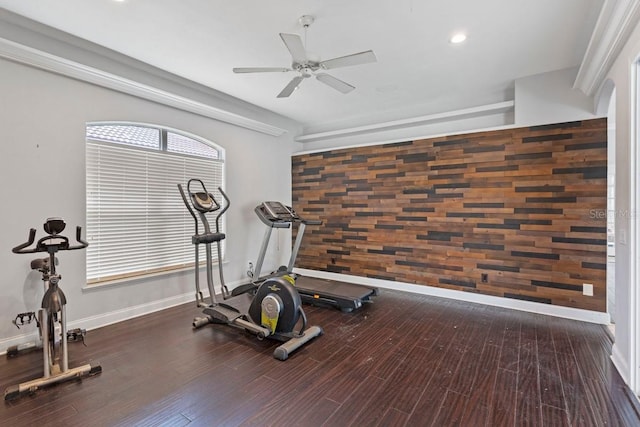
[418,71]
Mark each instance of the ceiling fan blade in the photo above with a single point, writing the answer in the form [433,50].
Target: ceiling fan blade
[261,70]
[349,60]
[295,46]
[293,85]
[337,84]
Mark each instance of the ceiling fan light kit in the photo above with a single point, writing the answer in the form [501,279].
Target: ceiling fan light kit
[306,67]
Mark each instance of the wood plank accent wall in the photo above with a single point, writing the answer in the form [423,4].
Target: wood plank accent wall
[525,207]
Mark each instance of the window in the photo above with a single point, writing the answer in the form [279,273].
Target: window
[137,223]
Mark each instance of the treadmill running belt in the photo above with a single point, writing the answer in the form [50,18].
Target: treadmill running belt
[345,296]
[332,288]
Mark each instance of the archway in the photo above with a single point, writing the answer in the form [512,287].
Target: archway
[606,106]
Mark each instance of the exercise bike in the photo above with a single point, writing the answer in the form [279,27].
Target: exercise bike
[272,311]
[51,317]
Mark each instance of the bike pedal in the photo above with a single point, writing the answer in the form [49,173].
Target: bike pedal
[76,335]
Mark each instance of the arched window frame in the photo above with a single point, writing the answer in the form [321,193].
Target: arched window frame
[137,224]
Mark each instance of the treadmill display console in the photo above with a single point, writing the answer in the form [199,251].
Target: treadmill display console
[276,211]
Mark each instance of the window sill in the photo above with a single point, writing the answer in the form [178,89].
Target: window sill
[130,281]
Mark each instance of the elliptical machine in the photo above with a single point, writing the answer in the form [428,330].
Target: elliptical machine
[51,318]
[271,312]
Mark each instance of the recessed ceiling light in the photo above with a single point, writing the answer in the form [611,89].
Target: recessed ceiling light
[458,38]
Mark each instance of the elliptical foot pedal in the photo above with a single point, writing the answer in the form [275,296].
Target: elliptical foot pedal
[222,314]
[242,289]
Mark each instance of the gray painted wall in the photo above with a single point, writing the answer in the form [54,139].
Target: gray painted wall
[42,151]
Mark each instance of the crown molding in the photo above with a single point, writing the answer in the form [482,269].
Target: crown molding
[615,23]
[17,52]
[483,110]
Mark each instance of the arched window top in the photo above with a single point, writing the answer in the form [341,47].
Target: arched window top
[153,138]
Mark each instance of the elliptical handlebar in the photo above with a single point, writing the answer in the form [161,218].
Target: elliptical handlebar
[227,204]
[188,205]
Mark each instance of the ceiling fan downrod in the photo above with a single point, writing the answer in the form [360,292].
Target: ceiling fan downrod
[306,21]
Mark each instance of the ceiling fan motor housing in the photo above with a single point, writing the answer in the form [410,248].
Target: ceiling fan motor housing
[307,67]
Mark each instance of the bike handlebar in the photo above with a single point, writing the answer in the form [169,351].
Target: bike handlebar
[19,249]
[83,243]
[43,246]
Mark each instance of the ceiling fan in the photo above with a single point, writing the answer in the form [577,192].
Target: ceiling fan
[307,66]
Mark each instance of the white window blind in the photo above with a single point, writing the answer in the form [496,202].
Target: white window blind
[136,220]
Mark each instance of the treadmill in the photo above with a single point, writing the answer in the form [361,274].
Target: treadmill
[321,292]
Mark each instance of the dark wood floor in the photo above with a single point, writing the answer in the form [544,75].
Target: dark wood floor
[404,360]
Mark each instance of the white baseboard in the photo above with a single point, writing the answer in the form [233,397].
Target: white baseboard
[112,317]
[105,319]
[621,364]
[528,306]
[127,313]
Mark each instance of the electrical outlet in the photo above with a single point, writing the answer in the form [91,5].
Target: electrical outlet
[250,272]
[587,289]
